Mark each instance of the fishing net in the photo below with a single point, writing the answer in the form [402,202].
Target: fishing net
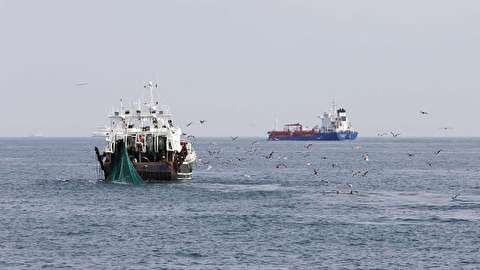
[122,170]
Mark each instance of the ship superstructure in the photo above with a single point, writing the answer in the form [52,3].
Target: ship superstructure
[154,145]
[335,126]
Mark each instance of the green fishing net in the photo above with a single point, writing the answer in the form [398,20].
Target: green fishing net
[122,170]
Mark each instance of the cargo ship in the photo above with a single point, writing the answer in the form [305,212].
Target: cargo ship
[142,144]
[335,127]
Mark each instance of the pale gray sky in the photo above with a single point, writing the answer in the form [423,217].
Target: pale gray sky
[241,64]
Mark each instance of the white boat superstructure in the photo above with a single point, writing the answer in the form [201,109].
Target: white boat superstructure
[336,121]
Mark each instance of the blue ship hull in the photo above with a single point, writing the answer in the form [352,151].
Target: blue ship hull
[321,136]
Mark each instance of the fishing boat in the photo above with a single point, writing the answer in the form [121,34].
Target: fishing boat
[144,145]
[335,127]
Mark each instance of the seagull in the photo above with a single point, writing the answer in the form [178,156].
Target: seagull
[424,112]
[355,173]
[189,124]
[438,152]
[81,84]
[315,172]
[324,158]
[446,128]
[410,154]
[365,157]
[359,173]
[395,134]
[234,138]
[429,163]
[203,121]
[308,145]
[209,167]
[269,156]
[281,165]
[455,196]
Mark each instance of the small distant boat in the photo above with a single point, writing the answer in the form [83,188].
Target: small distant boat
[143,144]
[335,127]
[36,135]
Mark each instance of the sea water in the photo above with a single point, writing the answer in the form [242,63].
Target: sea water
[240,211]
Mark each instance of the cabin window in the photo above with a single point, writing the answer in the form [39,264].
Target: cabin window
[131,143]
[149,142]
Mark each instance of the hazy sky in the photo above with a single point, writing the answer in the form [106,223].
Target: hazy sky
[241,64]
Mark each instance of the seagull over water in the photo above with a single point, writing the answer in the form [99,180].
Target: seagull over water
[423,113]
[308,145]
[395,134]
[281,165]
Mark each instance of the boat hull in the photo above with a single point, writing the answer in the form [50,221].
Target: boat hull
[152,172]
[321,136]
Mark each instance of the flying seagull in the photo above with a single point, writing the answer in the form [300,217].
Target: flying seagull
[395,134]
[308,145]
[424,112]
[269,156]
[203,121]
[281,165]
[438,152]
[189,124]
[234,138]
